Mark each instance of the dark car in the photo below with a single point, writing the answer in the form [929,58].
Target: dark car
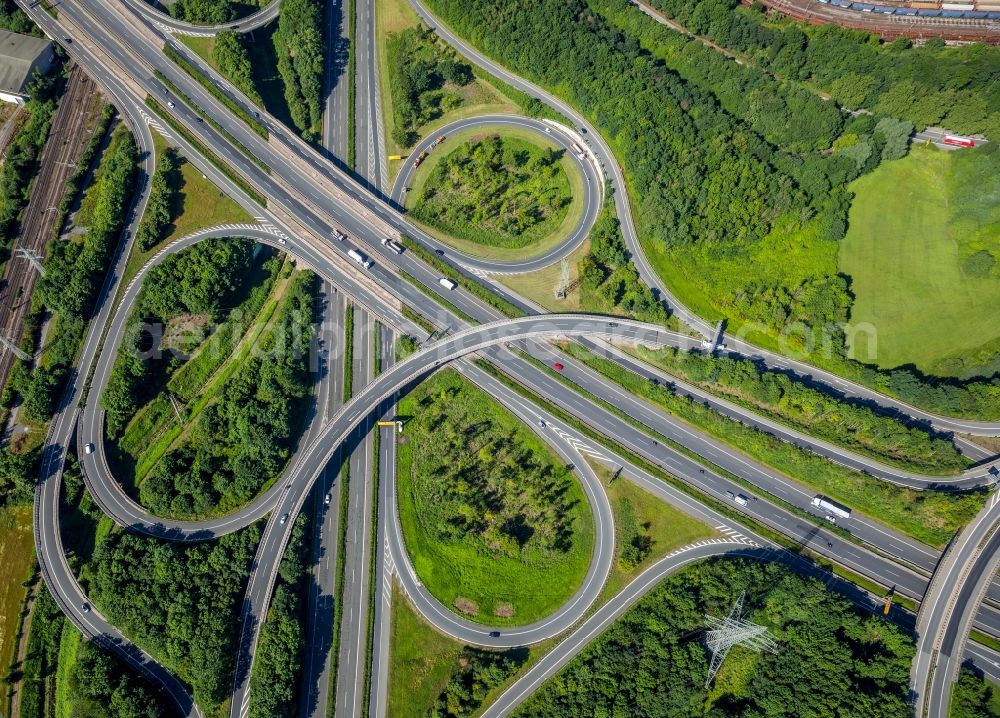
[494,634]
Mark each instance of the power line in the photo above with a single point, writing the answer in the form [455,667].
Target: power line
[724,633]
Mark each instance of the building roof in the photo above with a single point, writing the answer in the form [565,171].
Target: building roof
[18,54]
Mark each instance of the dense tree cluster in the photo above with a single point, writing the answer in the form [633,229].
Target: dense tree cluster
[14,19]
[631,536]
[927,85]
[652,662]
[232,58]
[242,440]
[100,685]
[974,697]
[298,44]
[478,673]
[200,280]
[73,269]
[496,191]
[422,74]
[816,411]
[18,472]
[209,12]
[609,282]
[180,601]
[277,665]
[472,478]
[160,207]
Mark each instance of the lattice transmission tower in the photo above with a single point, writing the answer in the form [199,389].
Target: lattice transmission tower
[724,633]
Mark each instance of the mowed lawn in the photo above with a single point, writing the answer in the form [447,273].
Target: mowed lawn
[911,224]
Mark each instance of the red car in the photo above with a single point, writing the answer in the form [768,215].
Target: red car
[557,366]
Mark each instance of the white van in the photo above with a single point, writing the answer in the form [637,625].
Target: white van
[447,283]
[359,258]
[741,500]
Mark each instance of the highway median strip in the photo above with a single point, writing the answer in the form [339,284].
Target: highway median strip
[217,126]
[201,149]
[214,91]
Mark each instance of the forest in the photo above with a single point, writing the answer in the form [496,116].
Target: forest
[741,227]
[794,402]
[927,85]
[974,697]
[421,71]
[478,673]
[277,669]
[99,686]
[298,44]
[652,662]
[14,19]
[496,191]
[210,12]
[179,601]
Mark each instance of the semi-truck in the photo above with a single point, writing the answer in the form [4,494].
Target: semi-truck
[359,258]
[392,246]
[831,507]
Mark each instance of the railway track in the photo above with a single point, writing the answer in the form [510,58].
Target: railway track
[69,136]
[889,27]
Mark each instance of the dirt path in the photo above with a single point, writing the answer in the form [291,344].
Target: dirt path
[22,646]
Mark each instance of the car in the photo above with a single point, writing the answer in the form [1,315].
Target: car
[198,119]
[439,252]
[85,607]
[170,104]
[831,518]
[68,40]
[282,240]
[494,634]
[558,366]
[326,499]
[541,424]
[257,115]
[88,449]
[730,495]
[284,518]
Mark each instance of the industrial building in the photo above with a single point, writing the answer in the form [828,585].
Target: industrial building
[20,57]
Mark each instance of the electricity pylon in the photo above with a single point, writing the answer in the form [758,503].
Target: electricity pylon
[733,630]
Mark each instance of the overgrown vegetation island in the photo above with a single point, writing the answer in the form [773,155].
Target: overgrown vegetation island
[497,191]
[498,529]
[243,388]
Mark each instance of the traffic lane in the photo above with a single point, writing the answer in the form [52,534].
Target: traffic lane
[592,198]
[354,597]
[956,633]
[967,479]
[716,452]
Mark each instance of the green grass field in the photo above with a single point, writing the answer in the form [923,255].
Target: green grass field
[533,581]
[420,663]
[17,555]
[913,225]
[668,528]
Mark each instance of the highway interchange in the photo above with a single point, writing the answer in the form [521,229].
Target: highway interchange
[115,51]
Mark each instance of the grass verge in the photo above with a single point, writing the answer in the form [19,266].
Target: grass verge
[17,556]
